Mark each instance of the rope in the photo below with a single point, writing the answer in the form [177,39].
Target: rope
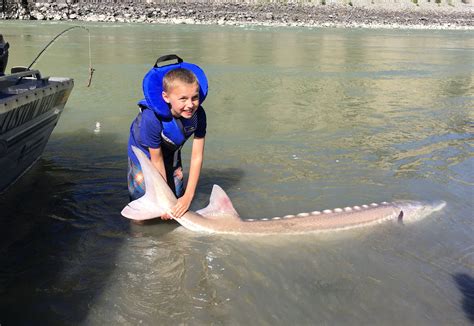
[91,70]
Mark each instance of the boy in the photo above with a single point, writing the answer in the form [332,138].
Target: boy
[162,140]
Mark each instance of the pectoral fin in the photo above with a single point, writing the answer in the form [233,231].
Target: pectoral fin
[219,205]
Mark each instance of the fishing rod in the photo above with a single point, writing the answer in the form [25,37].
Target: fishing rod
[91,70]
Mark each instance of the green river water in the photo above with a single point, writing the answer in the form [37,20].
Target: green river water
[299,119]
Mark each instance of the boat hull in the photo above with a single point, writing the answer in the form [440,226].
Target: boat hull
[27,120]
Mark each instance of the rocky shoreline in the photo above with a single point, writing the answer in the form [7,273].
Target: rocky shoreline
[269,14]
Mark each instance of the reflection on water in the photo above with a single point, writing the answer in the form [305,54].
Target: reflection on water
[465,284]
[299,119]
[58,236]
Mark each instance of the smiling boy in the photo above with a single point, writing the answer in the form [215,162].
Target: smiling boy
[162,139]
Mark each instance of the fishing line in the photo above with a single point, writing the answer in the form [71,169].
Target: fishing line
[91,70]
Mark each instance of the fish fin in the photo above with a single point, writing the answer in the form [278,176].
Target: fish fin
[219,204]
[142,209]
[400,217]
[158,198]
[155,184]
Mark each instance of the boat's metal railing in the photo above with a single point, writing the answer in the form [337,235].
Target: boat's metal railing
[22,74]
[20,82]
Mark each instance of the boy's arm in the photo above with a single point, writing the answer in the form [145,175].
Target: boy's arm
[197,156]
[157,160]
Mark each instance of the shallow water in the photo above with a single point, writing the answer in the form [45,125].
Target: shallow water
[298,120]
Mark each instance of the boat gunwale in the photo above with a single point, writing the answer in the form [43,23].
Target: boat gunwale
[54,85]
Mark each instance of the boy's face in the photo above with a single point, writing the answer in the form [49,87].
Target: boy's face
[183,99]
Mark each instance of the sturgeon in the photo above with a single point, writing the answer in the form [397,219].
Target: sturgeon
[220,215]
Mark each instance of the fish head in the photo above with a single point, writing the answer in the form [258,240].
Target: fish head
[412,211]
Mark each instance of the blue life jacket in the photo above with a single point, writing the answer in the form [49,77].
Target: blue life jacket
[152,90]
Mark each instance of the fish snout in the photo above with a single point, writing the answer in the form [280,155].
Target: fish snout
[412,211]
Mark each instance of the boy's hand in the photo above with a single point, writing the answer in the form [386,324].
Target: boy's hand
[166,216]
[181,206]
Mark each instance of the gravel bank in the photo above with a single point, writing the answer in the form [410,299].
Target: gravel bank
[272,14]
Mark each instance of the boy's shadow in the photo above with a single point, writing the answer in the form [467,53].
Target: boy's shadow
[465,284]
[226,178]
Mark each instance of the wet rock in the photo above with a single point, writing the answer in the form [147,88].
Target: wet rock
[39,16]
[268,14]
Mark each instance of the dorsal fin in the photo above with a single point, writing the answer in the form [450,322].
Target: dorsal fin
[219,204]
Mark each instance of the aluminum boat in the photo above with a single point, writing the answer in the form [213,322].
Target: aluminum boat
[30,107]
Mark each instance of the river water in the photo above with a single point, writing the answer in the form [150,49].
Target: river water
[298,119]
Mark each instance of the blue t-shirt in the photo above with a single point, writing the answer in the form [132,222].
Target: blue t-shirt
[146,131]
